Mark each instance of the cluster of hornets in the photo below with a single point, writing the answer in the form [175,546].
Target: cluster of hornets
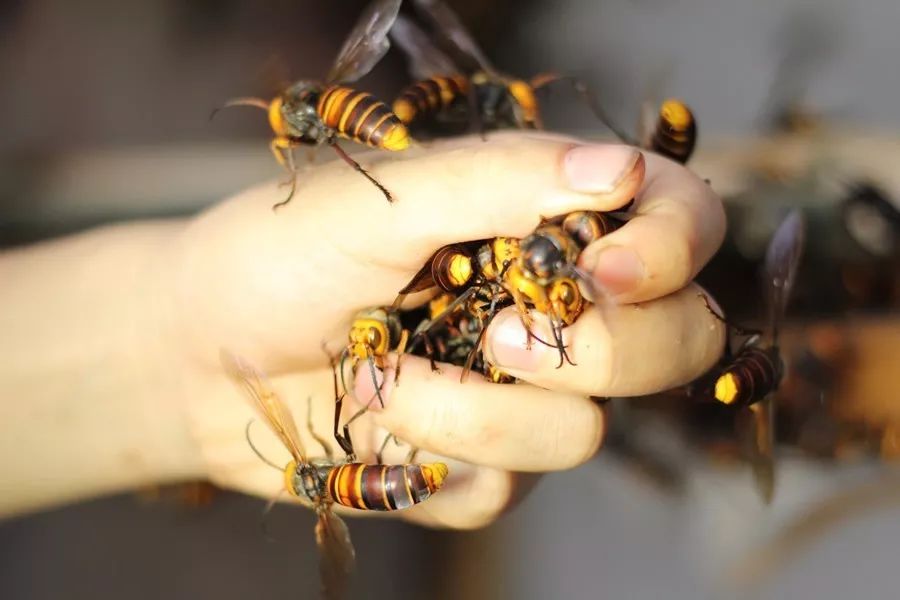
[472,280]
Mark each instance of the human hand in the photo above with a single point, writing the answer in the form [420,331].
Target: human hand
[273,287]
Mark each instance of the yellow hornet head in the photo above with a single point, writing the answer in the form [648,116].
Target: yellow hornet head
[373,333]
[566,299]
[368,337]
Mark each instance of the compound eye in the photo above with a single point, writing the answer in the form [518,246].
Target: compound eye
[568,295]
[373,337]
[543,258]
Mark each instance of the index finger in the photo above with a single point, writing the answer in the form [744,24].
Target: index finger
[465,189]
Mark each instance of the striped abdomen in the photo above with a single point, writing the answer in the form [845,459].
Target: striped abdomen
[676,131]
[383,487]
[753,374]
[360,117]
[587,226]
[426,98]
[451,267]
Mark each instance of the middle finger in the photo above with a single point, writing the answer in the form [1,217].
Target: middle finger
[517,427]
[618,350]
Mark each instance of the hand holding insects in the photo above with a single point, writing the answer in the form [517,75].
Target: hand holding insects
[275,287]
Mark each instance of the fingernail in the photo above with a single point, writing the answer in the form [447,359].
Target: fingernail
[598,169]
[371,389]
[618,269]
[508,345]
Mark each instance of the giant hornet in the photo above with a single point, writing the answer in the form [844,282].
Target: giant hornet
[316,112]
[494,99]
[752,374]
[454,336]
[674,133]
[374,333]
[538,271]
[322,483]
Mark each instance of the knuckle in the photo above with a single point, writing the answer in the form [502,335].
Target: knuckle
[569,437]
[679,258]
[435,428]
[584,436]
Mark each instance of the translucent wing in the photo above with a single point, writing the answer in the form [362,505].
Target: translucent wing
[425,59]
[647,118]
[272,409]
[425,278]
[762,447]
[654,90]
[337,558]
[444,19]
[421,280]
[367,43]
[782,260]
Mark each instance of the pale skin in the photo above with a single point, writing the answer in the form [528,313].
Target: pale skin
[110,353]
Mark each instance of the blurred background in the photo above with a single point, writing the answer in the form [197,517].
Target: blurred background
[105,116]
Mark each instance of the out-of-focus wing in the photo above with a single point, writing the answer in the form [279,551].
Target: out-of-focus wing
[762,447]
[654,90]
[445,20]
[367,43]
[425,59]
[648,117]
[271,408]
[421,280]
[337,558]
[425,279]
[782,260]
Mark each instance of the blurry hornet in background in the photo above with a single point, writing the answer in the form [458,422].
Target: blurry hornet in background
[478,93]
[667,128]
[321,483]
[674,133]
[314,112]
[750,377]
[731,412]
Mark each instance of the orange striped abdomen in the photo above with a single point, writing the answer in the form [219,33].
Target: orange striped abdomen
[587,226]
[426,98]
[751,376]
[384,487]
[676,131]
[360,117]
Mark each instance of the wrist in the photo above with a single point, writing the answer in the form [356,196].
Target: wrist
[91,403]
[158,365]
